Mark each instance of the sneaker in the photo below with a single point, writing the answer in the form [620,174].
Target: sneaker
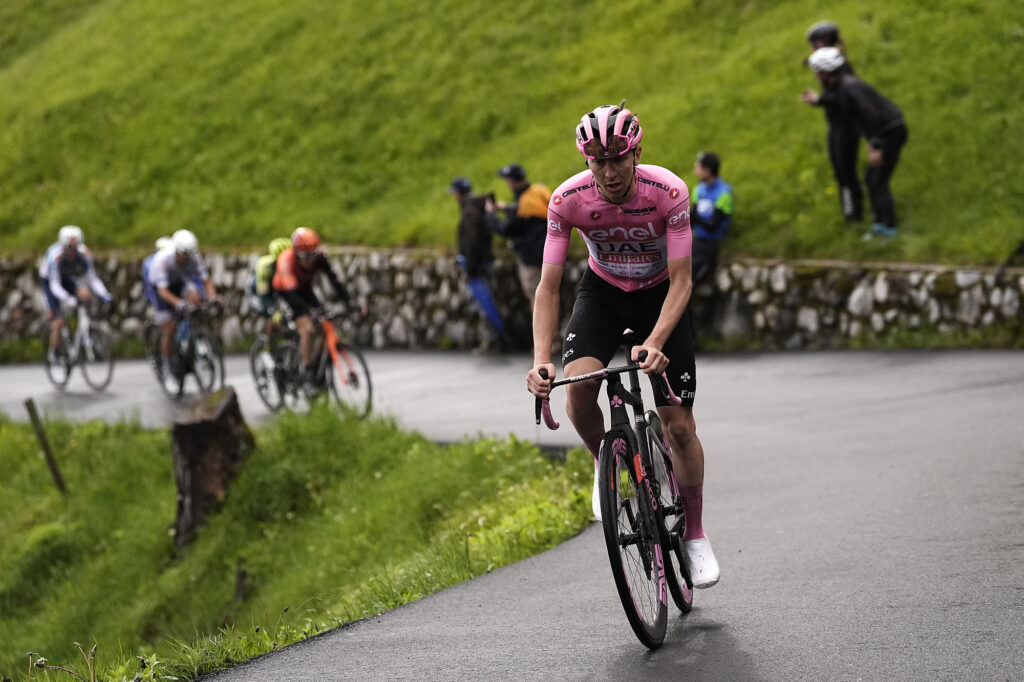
[701,562]
[595,499]
[880,230]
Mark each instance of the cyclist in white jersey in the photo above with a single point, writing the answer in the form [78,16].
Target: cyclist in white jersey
[635,221]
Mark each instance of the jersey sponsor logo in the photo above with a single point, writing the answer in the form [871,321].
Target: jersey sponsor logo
[633,233]
[555,225]
[628,258]
[683,215]
[684,377]
[570,192]
[595,215]
[655,184]
[638,211]
[673,193]
[557,200]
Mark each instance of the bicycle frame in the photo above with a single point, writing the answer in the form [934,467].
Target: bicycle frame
[336,351]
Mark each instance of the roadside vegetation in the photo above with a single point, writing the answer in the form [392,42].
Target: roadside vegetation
[135,118]
[330,521]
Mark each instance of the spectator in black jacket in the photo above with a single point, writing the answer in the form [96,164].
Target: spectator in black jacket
[842,137]
[879,120]
[525,224]
[476,255]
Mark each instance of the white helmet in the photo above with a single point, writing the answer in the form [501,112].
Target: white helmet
[826,59]
[70,235]
[185,242]
[163,242]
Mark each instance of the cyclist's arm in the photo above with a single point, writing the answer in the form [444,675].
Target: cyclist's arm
[340,290]
[95,283]
[165,293]
[680,285]
[545,324]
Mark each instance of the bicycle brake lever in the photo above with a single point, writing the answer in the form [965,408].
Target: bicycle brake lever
[542,408]
[666,388]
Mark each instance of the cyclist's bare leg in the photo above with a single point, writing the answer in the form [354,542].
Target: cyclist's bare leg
[687,452]
[581,403]
[687,464]
[166,336]
[305,327]
[55,326]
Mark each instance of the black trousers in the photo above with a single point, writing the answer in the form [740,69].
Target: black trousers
[842,142]
[877,177]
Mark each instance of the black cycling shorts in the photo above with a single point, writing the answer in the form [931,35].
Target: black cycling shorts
[602,312]
[300,302]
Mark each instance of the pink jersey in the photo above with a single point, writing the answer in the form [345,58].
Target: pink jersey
[630,244]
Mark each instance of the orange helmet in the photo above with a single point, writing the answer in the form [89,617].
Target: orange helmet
[305,239]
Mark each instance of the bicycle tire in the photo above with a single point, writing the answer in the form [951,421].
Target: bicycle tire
[679,584]
[207,364]
[59,372]
[634,543]
[97,360]
[356,393]
[263,376]
[290,375]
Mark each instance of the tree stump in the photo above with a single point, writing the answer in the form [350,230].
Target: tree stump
[211,442]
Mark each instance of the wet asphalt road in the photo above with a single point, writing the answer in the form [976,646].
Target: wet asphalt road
[867,510]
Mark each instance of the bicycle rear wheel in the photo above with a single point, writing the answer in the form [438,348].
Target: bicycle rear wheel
[97,359]
[671,513]
[634,544]
[355,393]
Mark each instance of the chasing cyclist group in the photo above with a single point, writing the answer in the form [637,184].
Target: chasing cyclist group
[175,279]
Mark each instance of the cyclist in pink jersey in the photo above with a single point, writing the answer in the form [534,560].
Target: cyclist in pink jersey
[635,221]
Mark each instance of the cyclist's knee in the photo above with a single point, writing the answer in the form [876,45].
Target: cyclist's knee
[304,324]
[680,428]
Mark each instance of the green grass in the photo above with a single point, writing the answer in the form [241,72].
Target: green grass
[333,521]
[244,118]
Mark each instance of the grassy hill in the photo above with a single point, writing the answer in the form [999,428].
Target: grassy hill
[332,521]
[241,119]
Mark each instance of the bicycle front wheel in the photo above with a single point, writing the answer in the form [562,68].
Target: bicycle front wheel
[97,359]
[635,548]
[207,363]
[350,383]
[57,364]
[261,362]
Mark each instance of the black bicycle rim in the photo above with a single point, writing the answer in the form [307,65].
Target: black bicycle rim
[263,375]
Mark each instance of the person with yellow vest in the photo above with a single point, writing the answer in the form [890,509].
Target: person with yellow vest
[525,224]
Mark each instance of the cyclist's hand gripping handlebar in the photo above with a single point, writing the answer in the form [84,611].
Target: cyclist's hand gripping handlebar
[542,407]
[661,382]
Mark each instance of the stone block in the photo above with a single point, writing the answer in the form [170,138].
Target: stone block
[860,302]
[880,290]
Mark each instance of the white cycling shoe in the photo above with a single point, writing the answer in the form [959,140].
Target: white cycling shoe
[702,563]
[595,499]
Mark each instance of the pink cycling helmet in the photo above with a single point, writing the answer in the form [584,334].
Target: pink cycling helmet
[608,132]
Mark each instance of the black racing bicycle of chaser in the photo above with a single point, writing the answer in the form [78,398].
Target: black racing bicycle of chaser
[641,504]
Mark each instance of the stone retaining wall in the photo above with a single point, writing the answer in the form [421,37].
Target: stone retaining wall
[417,299]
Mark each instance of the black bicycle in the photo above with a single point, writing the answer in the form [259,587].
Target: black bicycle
[641,504]
[197,352]
[339,368]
